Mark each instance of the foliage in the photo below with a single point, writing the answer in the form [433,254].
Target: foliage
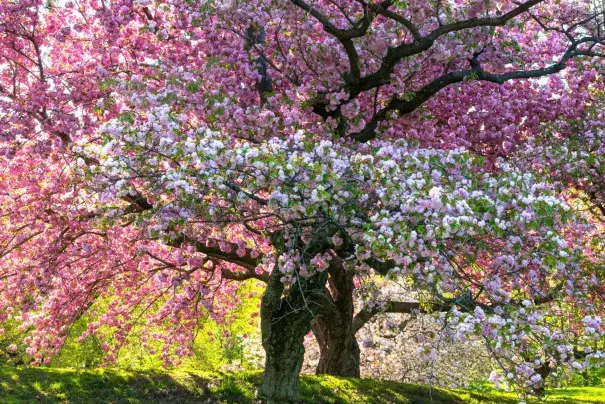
[154,154]
[220,345]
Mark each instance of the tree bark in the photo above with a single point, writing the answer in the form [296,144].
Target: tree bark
[284,323]
[285,354]
[333,327]
[339,351]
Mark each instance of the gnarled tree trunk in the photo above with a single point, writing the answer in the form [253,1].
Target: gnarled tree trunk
[284,358]
[333,327]
[339,351]
[284,323]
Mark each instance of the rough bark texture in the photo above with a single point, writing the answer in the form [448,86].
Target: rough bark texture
[333,327]
[286,316]
[339,351]
[285,354]
[284,323]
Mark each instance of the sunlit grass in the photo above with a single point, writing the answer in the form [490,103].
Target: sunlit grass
[52,385]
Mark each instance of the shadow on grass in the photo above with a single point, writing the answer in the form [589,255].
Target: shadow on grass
[50,385]
[30,385]
[335,390]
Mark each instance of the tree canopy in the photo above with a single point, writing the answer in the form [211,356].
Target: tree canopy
[157,153]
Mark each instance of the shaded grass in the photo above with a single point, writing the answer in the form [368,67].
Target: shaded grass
[51,385]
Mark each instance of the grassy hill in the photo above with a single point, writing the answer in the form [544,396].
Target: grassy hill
[51,385]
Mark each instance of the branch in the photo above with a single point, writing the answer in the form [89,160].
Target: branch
[138,203]
[466,303]
[383,267]
[365,314]
[255,198]
[246,261]
[345,36]
[483,22]
[382,9]
[396,54]
[407,105]
[355,84]
[254,37]
[415,100]
[242,276]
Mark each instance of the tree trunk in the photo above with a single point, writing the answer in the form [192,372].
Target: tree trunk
[333,327]
[339,351]
[284,323]
[285,354]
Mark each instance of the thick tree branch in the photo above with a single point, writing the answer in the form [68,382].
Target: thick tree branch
[254,37]
[242,276]
[383,267]
[422,43]
[366,315]
[484,21]
[466,304]
[355,84]
[137,202]
[345,36]
[246,260]
[383,10]
[408,104]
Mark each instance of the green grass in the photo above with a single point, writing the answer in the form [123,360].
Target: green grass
[51,385]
